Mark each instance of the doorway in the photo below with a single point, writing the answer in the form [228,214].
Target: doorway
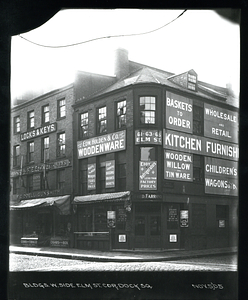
[147,229]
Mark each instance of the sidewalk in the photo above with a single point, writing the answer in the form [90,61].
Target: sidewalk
[120,255]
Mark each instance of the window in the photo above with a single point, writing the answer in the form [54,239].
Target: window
[121,170]
[197,168]
[61,179]
[31,119]
[61,108]
[147,110]
[101,173]
[100,218]
[84,124]
[16,155]
[17,124]
[16,185]
[121,114]
[45,149]
[61,144]
[30,183]
[198,119]
[102,120]
[45,114]
[30,154]
[147,153]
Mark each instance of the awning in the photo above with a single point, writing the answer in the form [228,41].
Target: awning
[61,202]
[118,196]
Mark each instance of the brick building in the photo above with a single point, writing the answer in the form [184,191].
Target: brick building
[155,162]
[41,168]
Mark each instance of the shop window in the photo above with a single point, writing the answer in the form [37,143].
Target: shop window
[31,119]
[30,183]
[121,117]
[45,149]
[102,120]
[198,120]
[45,114]
[17,124]
[30,154]
[84,125]
[100,219]
[16,185]
[85,220]
[61,179]
[16,155]
[198,168]
[147,153]
[61,144]
[222,213]
[147,107]
[61,108]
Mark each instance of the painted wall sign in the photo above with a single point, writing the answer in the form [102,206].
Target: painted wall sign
[179,113]
[38,132]
[150,137]
[178,166]
[36,182]
[40,167]
[110,174]
[149,196]
[220,123]
[184,218]
[173,238]
[221,176]
[199,145]
[91,177]
[122,238]
[102,144]
[148,175]
[39,194]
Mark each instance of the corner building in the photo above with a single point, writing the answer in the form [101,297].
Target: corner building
[155,162]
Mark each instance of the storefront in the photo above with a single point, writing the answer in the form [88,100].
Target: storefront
[43,221]
[102,221]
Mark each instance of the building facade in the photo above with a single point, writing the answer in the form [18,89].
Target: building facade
[155,163]
[41,169]
[149,161]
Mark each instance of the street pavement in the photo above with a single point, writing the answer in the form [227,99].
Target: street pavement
[22,262]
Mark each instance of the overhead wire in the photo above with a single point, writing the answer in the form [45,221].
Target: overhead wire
[104,37]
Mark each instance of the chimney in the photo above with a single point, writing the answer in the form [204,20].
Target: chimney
[121,63]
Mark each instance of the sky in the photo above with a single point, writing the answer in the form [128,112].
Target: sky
[199,39]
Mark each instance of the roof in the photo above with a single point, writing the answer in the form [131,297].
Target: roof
[156,76]
[117,196]
[61,202]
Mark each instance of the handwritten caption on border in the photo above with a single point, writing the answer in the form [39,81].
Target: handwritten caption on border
[210,286]
[117,286]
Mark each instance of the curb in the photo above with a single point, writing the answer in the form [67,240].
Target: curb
[119,259]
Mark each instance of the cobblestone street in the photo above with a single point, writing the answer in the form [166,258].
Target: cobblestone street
[19,262]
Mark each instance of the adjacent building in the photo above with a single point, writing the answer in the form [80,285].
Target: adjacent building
[150,160]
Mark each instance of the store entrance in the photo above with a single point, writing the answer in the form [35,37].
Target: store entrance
[147,226]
